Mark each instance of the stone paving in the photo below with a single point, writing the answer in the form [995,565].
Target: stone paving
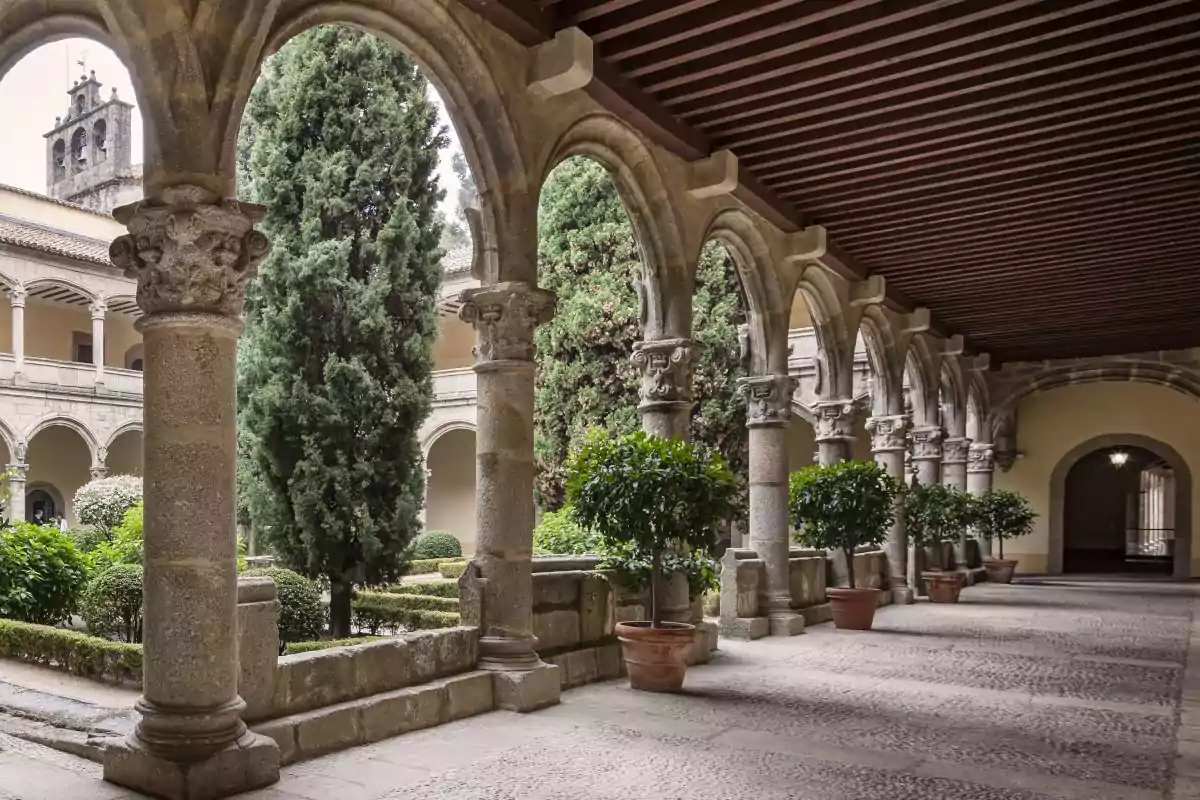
[1082,691]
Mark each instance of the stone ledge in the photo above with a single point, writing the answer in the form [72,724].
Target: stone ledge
[588,665]
[745,628]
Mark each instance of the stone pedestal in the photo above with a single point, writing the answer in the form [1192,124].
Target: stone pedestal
[889,446]
[834,430]
[980,467]
[192,253]
[954,474]
[768,407]
[504,316]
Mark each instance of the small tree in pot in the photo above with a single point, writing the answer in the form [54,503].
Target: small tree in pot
[651,496]
[935,515]
[844,506]
[999,515]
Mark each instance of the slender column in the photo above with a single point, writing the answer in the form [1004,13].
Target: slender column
[980,466]
[17,298]
[834,430]
[17,473]
[666,404]
[192,253]
[98,309]
[954,475]
[889,445]
[504,316]
[927,454]
[768,406]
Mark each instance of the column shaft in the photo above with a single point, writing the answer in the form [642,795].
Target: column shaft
[18,328]
[954,475]
[16,489]
[98,311]
[888,444]
[980,468]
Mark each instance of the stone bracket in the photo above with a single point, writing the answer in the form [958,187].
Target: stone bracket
[714,176]
[563,64]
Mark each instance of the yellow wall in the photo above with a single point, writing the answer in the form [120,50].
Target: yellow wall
[455,341]
[119,336]
[800,317]
[451,490]
[58,456]
[5,326]
[49,214]
[1051,424]
[125,454]
[48,329]
[802,446]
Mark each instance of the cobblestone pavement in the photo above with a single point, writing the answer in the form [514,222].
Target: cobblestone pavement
[1055,690]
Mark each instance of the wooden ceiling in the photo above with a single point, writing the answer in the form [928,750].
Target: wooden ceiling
[1028,169]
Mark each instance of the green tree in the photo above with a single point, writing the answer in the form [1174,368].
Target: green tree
[456,232]
[589,257]
[334,371]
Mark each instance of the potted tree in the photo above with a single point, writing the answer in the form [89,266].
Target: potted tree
[999,515]
[935,515]
[844,506]
[651,497]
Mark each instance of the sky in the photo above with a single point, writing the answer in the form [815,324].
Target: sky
[34,92]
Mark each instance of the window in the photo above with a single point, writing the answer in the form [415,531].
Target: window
[136,364]
[81,347]
[79,141]
[59,156]
[100,140]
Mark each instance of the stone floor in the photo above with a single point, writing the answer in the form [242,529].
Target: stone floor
[1054,690]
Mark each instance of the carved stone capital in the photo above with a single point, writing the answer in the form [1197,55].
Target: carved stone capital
[190,250]
[17,295]
[955,449]
[98,308]
[504,316]
[1004,459]
[99,471]
[888,434]
[18,472]
[981,457]
[834,420]
[768,399]
[666,366]
[927,443]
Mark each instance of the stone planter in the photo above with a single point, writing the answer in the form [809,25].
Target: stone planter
[1000,570]
[944,587]
[853,609]
[656,658]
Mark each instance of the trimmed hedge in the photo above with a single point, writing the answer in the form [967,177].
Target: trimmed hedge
[423,602]
[71,651]
[437,544]
[301,612]
[424,566]
[452,569]
[378,610]
[442,588]
[292,648]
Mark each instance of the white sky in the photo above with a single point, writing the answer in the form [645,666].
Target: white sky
[34,92]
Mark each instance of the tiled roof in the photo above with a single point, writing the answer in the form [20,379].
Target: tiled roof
[25,234]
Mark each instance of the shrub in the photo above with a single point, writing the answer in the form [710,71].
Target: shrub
[436,544]
[301,612]
[112,603]
[71,651]
[442,588]
[102,503]
[560,534]
[41,574]
[936,513]
[375,611]
[424,566]
[1001,514]
[126,546]
[293,648]
[842,506]
[452,569]
[87,538]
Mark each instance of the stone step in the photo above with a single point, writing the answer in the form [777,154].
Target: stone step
[379,716]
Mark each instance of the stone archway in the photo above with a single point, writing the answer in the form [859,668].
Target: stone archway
[450,484]
[1181,566]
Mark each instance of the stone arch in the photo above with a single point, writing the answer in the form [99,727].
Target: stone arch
[59,158]
[977,409]
[133,425]
[1181,569]
[65,421]
[669,268]
[442,430]
[13,445]
[923,380]
[449,487]
[61,290]
[100,141]
[887,397]
[953,396]
[24,29]
[120,455]
[820,292]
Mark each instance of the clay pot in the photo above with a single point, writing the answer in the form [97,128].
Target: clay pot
[853,609]
[944,587]
[656,658]
[1000,570]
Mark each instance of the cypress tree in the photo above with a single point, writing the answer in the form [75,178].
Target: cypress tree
[335,367]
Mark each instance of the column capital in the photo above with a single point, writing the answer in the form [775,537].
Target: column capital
[666,367]
[504,316]
[190,250]
[98,308]
[1004,459]
[98,471]
[955,450]
[18,472]
[17,295]
[888,433]
[927,443]
[768,399]
[834,420]
[980,458]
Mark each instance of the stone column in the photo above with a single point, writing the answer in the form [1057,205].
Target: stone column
[504,316]
[98,310]
[666,367]
[17,298]
[17,472]
[954,475]
[980,466]
[927,454]
[889,446]
[100,468]
[768,407]
[834,430]
[192,253]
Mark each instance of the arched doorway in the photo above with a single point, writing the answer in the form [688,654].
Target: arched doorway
[124,453]
[59,458]
[1121,504]
[450,486]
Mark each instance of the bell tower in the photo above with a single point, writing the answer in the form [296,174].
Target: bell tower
[88,150]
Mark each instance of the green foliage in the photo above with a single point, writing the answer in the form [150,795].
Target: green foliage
[443,588]
[1002,514]
[102,503]
[421,602]
[71,651]
[559,534]
[41,574]
[292,648]
[87,538]
[437,544]
[842,506]
[452,569]
[636,567]
[588,256]
[335,367]
[424,566]
[127,545]
[380,611]
[112,603]
[301,612]
[936,514]
[649,494]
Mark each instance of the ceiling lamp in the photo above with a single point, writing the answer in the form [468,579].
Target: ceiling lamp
[1118,458]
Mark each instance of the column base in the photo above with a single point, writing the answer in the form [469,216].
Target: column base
[508,654]
[527,690]
[251,762]
[745,628]
[786,623]
[903,596]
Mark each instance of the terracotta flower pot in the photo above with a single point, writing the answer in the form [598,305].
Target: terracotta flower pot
[853,609]
[1000,570]
[944,587]
[656,658]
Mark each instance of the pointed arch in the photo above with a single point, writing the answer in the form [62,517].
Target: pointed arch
[887,369]
[953,397]
[920,365]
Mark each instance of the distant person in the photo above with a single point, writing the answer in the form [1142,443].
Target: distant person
[62,523]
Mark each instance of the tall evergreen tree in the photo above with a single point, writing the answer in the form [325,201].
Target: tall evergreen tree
[588,255]
[335,365]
